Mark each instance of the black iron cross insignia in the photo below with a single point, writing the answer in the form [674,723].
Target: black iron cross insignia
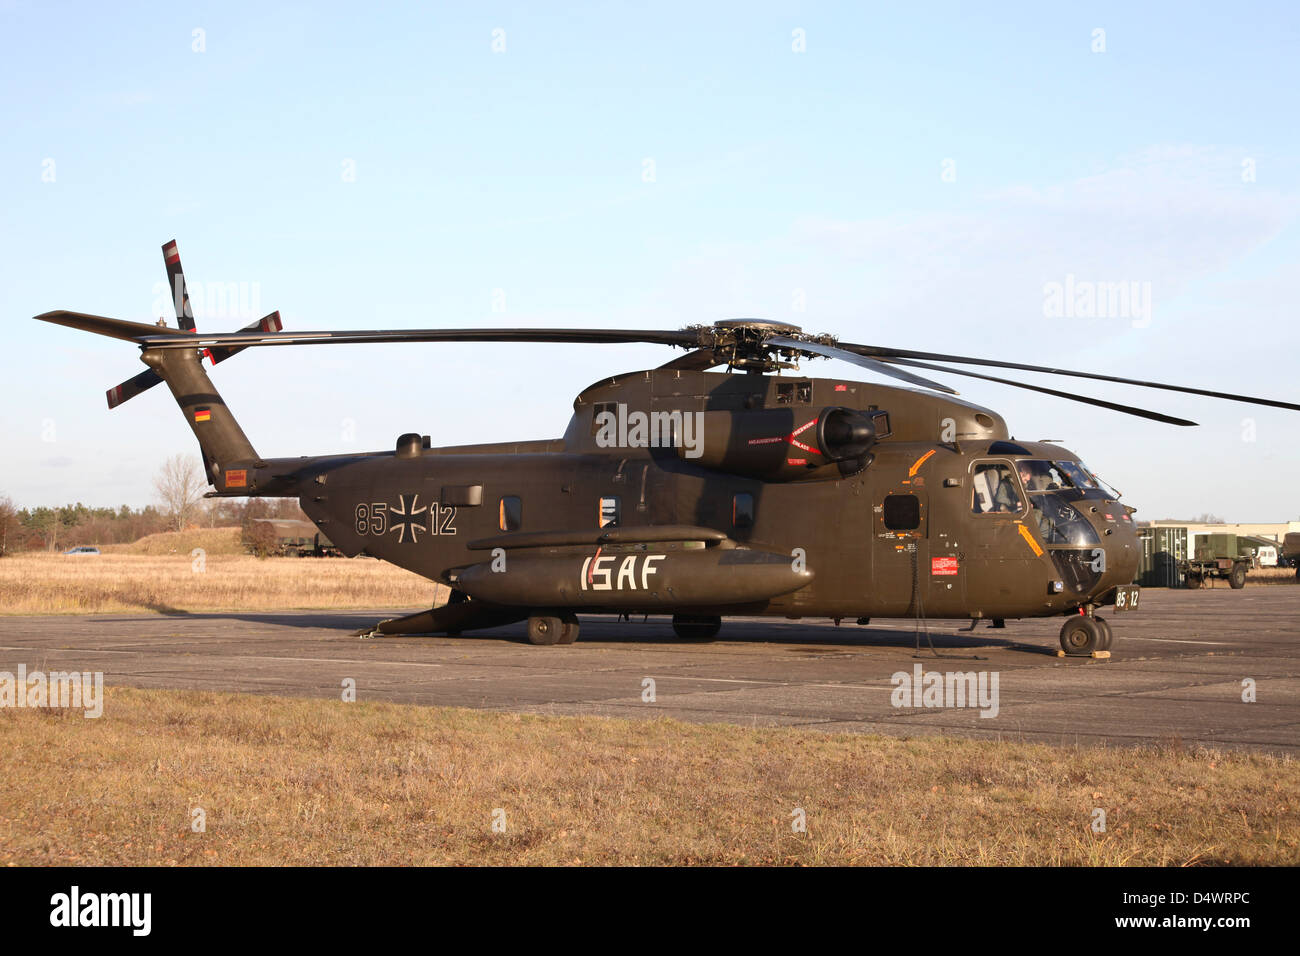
[402,519]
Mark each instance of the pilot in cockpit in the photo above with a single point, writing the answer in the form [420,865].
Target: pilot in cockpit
[1038,476]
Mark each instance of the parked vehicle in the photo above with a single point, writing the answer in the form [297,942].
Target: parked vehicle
[1217,556]
[1291,552]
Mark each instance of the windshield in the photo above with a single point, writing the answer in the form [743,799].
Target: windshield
[1052,485]
[1070,477]
[1044,476]
[1110,492]
[1059,522]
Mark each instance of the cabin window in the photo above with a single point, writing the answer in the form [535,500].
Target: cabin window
[742,510]
[599,409]
[902,512]
[995,490]
[791,393]
[511,512]
[609,511]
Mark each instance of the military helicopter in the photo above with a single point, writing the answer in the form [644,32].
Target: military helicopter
[699,494]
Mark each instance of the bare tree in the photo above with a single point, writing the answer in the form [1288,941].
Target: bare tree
[180,486]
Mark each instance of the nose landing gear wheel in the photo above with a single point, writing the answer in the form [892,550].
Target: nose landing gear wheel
[1082,635]
[569,628]
[1107,635]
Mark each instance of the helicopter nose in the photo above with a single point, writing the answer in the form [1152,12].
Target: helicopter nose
[1119,545]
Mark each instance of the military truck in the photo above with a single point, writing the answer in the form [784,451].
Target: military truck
[1291,551]
[1218,556]
[299,539]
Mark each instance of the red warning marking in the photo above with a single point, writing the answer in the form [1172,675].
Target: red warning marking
[943,566]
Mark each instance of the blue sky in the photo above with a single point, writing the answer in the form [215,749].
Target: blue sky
[509,188]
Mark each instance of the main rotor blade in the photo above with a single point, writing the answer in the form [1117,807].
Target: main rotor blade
[698,360]
[579,336]
[830,351]
[1100,403]
[886,353]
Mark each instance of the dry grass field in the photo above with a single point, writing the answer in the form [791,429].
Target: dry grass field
[284,781]
[175,583]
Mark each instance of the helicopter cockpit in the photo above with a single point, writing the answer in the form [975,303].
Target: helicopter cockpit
[1071,477]
[1050,489]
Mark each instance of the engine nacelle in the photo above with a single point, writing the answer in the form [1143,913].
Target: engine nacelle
[788,444]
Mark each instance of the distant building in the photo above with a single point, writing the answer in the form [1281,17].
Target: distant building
[1166,543]
[1275,531]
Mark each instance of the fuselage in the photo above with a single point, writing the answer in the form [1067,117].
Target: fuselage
[935,520]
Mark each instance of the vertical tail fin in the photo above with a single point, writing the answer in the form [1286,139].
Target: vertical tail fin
[222,441]
[227,452]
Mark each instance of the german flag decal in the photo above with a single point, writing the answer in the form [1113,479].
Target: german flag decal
[203,414]
[237,478]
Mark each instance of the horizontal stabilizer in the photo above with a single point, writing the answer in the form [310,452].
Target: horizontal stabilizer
[102,325]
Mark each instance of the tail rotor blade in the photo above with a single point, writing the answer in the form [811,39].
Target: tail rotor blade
[132,387]
[149,378]
[268,323]
[176,283]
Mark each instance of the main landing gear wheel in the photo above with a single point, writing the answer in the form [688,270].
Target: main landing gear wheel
[568,628]
[546,630]
[1082,635]
[696,628]
[1237,580]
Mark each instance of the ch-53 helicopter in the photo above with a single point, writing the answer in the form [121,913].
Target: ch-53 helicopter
[699,494]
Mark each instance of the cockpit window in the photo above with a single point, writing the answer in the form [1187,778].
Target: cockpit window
[1052,485]
[1060,523]
[1043,475]
[1077,475]
[1098,483]
[1071,477]
[995,490]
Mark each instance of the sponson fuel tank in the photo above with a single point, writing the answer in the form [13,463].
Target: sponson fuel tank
[634,577]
